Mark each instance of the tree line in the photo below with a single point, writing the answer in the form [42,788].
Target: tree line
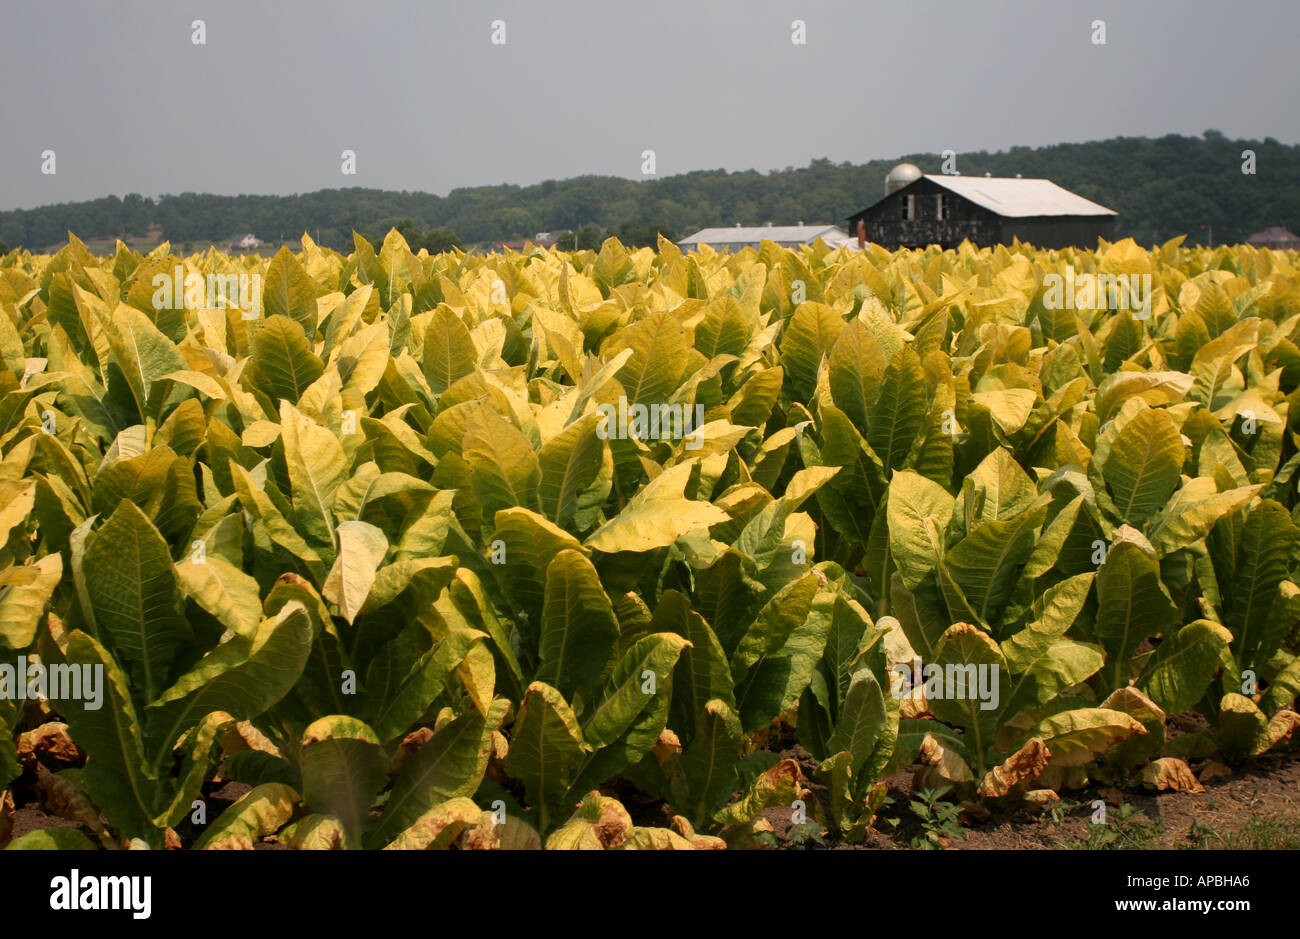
[1161,187]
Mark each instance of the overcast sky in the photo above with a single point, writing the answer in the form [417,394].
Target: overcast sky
[418,90]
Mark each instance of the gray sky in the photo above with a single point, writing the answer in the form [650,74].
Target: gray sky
[418,90]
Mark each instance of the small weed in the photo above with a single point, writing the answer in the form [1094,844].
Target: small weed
[1126,829]
[1059,810]
[938,819]
[799,837]
[1258,834]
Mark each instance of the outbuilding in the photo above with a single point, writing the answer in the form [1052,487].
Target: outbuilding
[787,236]
[919,209]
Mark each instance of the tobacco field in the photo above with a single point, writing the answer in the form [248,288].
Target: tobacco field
[365,540]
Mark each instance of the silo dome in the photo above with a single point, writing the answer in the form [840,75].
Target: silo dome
[902,175]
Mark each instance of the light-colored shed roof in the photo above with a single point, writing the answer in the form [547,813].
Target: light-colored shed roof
[832,235]
[1020,198]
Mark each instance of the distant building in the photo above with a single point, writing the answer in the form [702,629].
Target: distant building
[245,242]
[1275,237]
[500,247]
[787,236]
[919,210]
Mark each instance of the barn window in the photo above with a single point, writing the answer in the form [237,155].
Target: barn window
[941,206]
[909,208]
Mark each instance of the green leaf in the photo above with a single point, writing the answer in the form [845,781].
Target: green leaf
[578,629]
[779,617]
[223,590]
[439,826]
[704,776]
[986,563]
[1054,613]
[974,682]
[660,362]
[450,765]
[115,774]
[1132,603]
[288,291]
[1192,512]
[1077,737]
[777,679]
[657,515]
[702,674]
[1184,665]
[52,839]
[131,585]
[506,471]
[24,595]
[283,364]
[546,748]
[318,466]
[629,711]
[243,677]
[342,771]
[144,355]
[420,687]
[361,549]
[278,528]
[1263,554]
[898,413]
[857,369]
[570,463]
[1243,728]
[530,543]
[919,511]
[1143,465]
[261,811]
[449,352]
[809,336]
[862,718]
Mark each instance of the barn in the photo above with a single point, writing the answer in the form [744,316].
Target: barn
[919,210]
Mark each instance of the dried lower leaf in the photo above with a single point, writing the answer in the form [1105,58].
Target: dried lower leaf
[517,835]
[1214,770]
[438,827]
[667,745]
[49,740]
[1023,765]
[1171,773]
[411,743]
[244,736]
[913,705]
[942,764]
[484,837]
[64,798]
[1041,797]
[599,823]
[6,817]
[315,833]
[1280,728]
[261,811]
[231,843]
[1058,777]
[699,842]
[656,839]
[779,785]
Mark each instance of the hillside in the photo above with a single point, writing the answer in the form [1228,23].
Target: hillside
[1160,187]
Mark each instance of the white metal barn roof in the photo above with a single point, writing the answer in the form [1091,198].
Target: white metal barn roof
[1020,198]
[832,235]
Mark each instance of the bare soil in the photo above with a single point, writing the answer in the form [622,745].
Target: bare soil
[1258,805]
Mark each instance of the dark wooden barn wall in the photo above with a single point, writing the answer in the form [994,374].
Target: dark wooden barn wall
[885,224]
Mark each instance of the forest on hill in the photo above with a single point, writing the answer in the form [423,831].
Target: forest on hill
[1161,187]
